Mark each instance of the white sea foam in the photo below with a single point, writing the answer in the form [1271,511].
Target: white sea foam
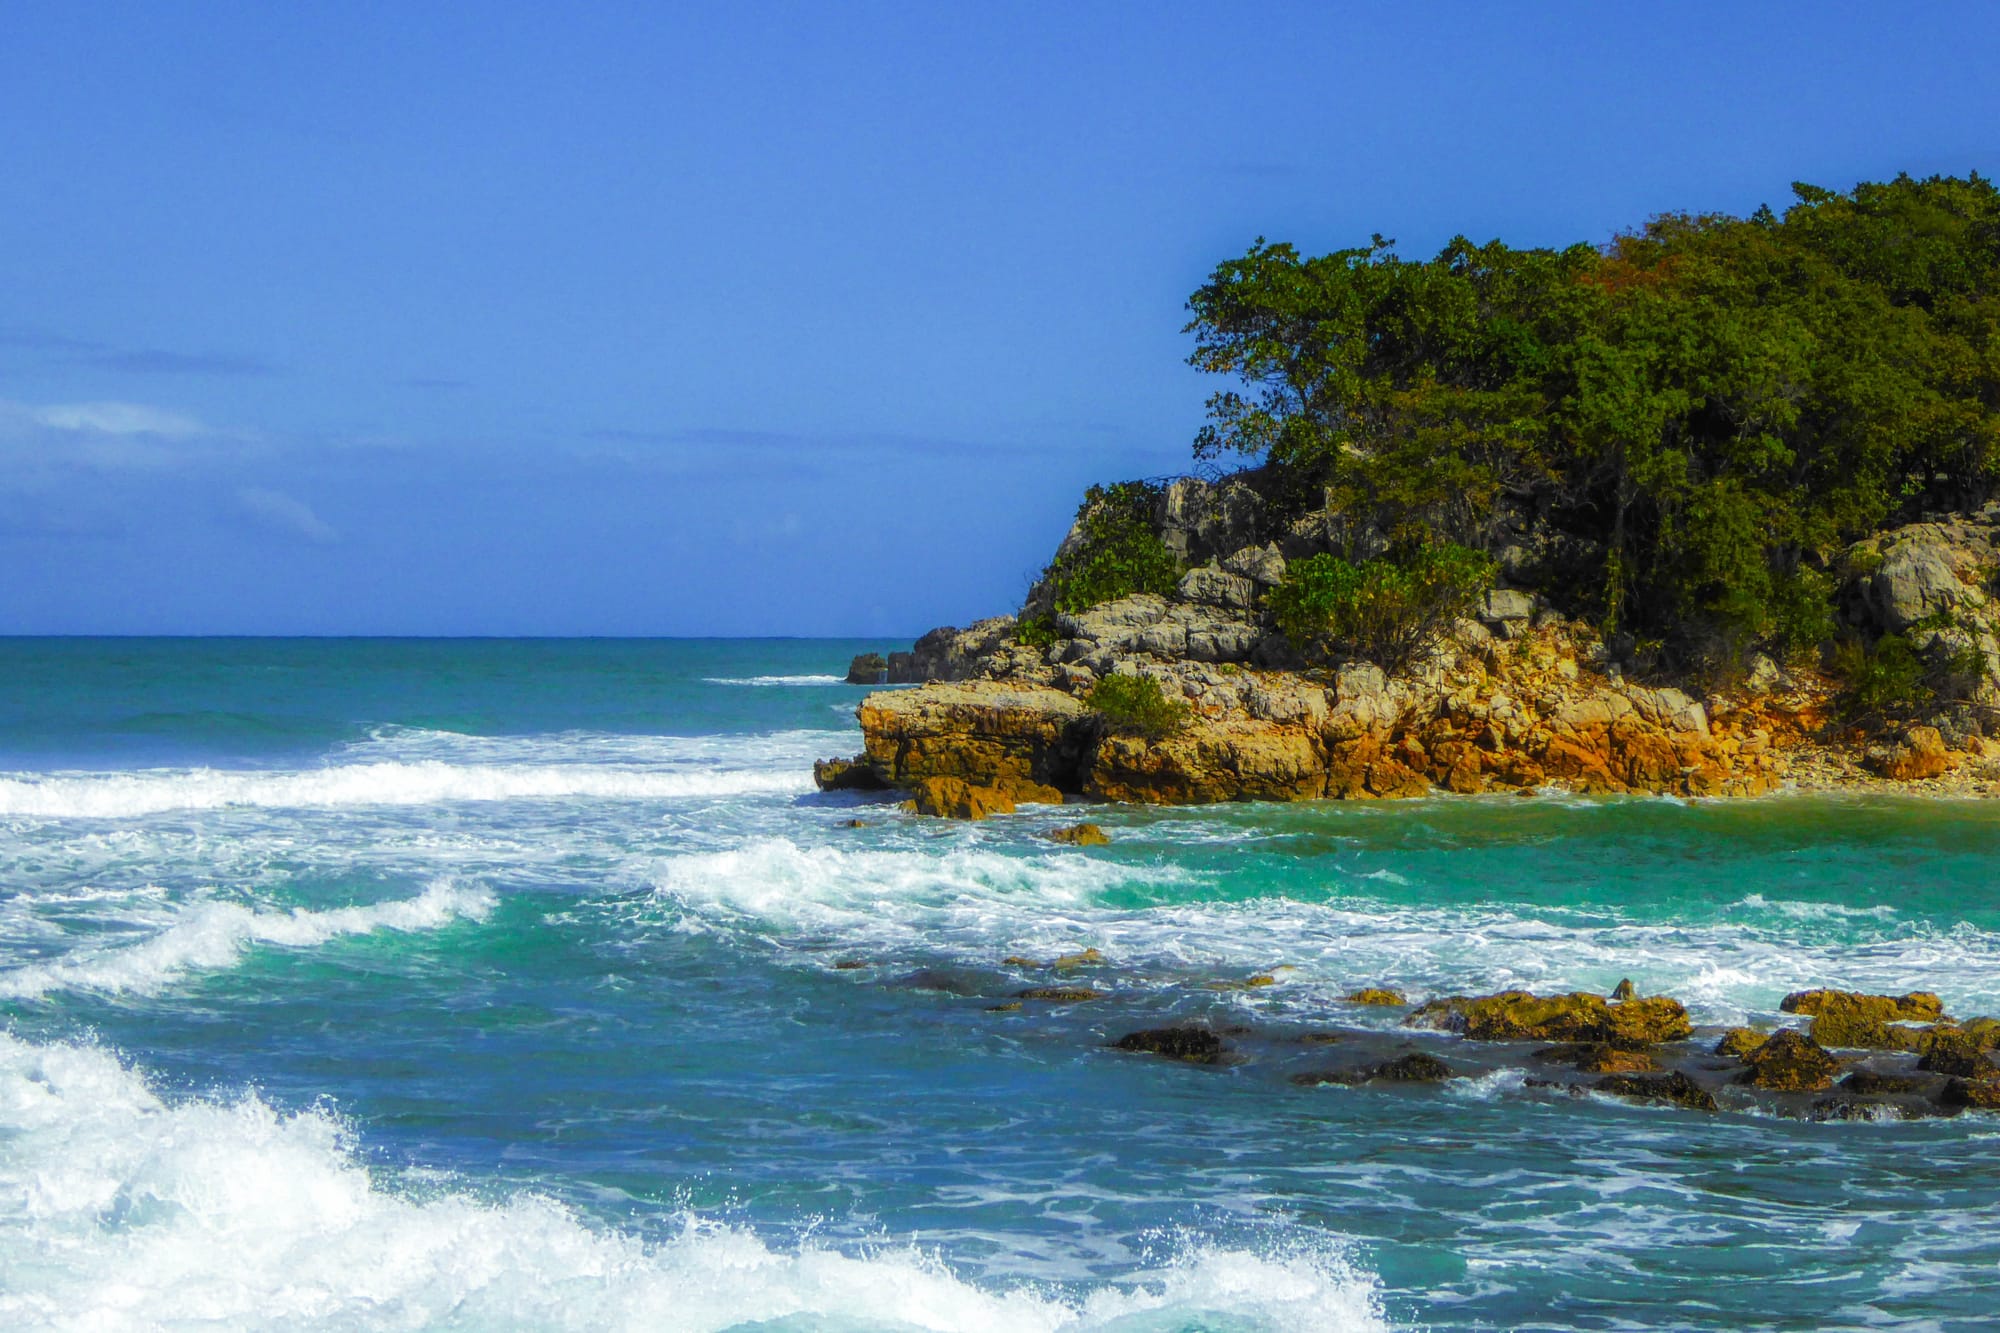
[207,935]
[1161,924]
[429,782]
[119,1211]
[775,680]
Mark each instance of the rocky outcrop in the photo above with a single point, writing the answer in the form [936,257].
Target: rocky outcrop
[1577,1017]
[1790,1062]
[1516,700]
[868,669]
[1873,1022]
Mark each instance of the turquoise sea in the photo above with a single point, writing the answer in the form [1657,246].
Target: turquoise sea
[529,984]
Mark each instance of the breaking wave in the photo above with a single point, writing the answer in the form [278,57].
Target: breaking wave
[119,1210]
[204,936]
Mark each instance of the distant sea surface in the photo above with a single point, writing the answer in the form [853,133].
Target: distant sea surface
[530,984]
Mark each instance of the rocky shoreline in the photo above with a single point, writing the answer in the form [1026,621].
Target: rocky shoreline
[1516,698]
[1856,1057]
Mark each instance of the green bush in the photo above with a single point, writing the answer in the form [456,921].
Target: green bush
[1891,679]
[1388,611]
[1884,679]
[1136,705]
[1036,631]
[1801,612]
[1120,552]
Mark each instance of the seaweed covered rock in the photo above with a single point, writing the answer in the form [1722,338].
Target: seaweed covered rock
[1676,1089]
[1196,1045]
[1960,1051]
[1739,1042]
[1060,994]
[1375,995]
[1599,1058]
[1868,1083]
[1079,835]
[1577,1017]
[1872,1022]
[1790,1061]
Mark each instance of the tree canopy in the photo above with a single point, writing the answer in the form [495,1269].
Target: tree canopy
[1701,414]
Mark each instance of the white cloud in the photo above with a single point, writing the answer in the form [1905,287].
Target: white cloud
[281,513]
[118,419]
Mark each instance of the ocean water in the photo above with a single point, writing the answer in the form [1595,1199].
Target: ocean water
[497,985]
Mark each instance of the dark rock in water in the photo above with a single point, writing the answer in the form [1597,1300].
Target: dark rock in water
[1625,990]
[1790,1062]
[1320,1038]
[1061,994]
[1413,1068]
[1836,1108]
[1012,1006]
[1868,1083]
[1196,1045]
[868,669]
[850,964]
[1375,995]
[1676,1088]
[1599,1058]
[1974,1094]
[847,775]
[857,823]
[1416,1067]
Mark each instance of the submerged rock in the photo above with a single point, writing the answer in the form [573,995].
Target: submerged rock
[1196,1045]
[1415,1067]
[1061,994]
[1675,1088]
[1790,1062]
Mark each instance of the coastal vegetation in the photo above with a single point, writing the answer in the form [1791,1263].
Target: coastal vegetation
[1136,706]
[1673,436]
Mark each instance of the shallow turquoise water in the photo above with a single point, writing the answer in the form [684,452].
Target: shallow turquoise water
[390,984]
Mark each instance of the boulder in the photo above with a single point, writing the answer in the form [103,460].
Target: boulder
[1957,1051]
[1262,565]
[955,798]
[1868,1083]
[1507,611]
[1790,1061]
[1981,1094]
[1079,835]
[868,669]
[1675,1088]
[1377,995]
[1209,586]
[1416,1067]
[1196,1045]
[1918,753]
[989,733]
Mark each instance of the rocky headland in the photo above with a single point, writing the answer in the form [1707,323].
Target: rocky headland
[1514,697]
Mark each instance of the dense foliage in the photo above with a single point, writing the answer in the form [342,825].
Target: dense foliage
[1697,417]
[1387,611]
[1136,705]
[1114,551]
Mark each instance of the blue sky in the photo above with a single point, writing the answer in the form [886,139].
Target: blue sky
[768,319]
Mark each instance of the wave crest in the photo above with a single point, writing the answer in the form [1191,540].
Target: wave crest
[211,935]
[118,1210]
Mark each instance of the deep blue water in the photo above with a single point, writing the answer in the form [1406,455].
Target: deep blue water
[496,984]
